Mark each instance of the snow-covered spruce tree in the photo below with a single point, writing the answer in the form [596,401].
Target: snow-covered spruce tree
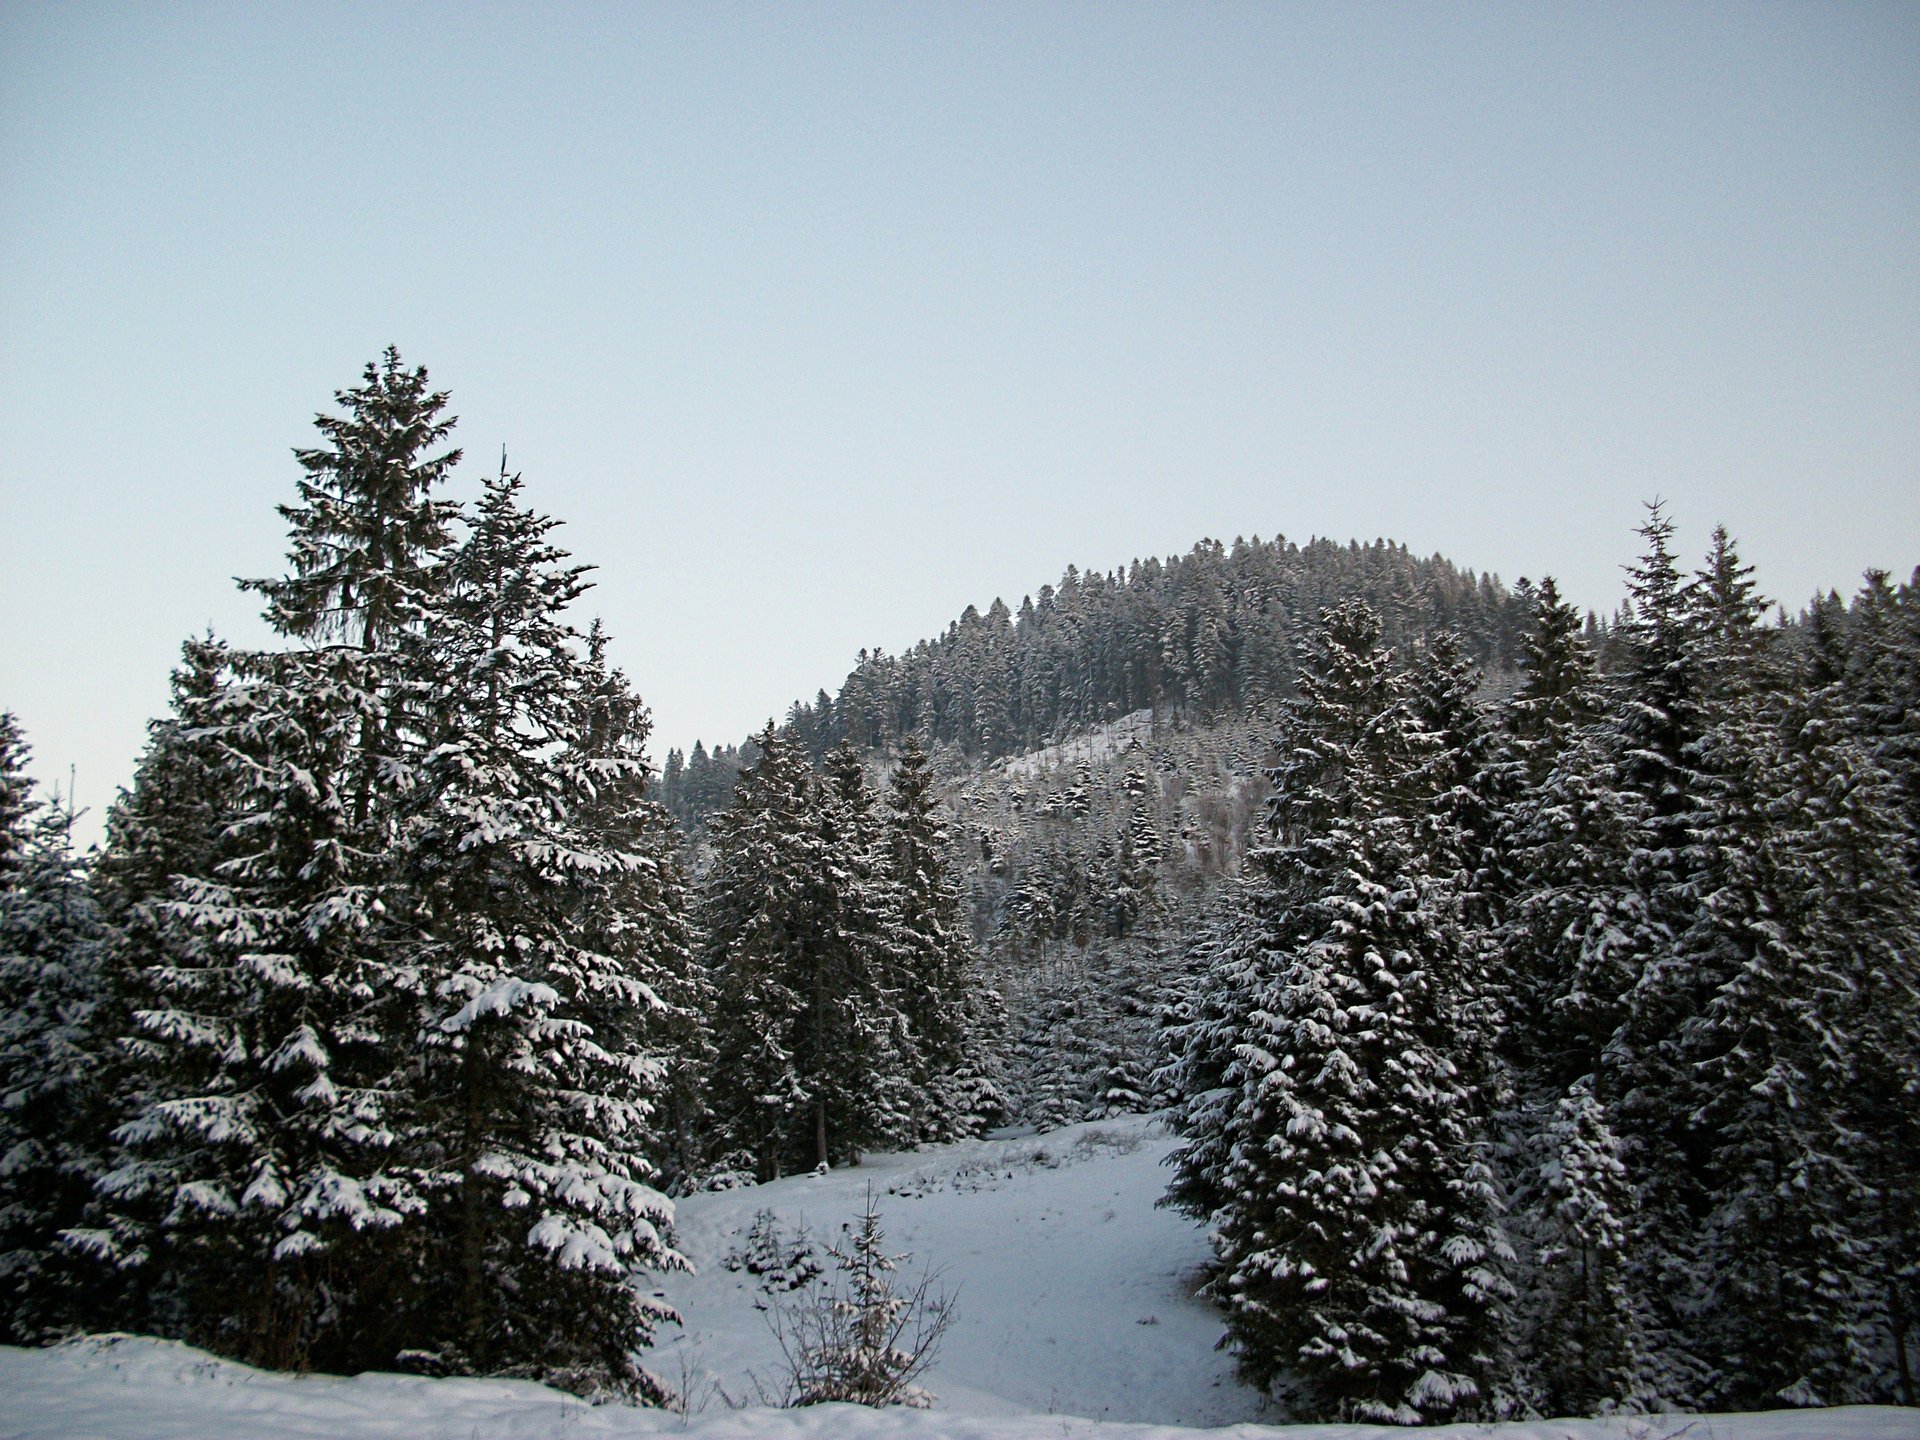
[1860,922]
[871,1026]
[548,938]
[1583,1335]
[949,1006]
[753,924]
[259,1180]
[171,822]
[625,809]
[1768,1060]
[1359,1250]
[808,1039]
[54,1033]
[1796,838]
[1883,681]
[274,1042]
[1562,913]
[1704,868]
[366,531]
[16,797]
[1201,1037]
[1232,962]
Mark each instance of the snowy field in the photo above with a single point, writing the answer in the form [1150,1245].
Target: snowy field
[1072,1291]
[1074,1319]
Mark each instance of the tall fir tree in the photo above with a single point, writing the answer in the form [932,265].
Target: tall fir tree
[950,1009]
[272,1067]
[529,858]
[1361,1259]
[55,1036]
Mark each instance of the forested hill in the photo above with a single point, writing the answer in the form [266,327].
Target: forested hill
[1200,635]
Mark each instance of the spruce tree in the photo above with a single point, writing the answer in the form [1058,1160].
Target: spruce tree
[546,948]
[948,1005]
[275,1038]
[259,1182]
[55,1031]
[754,929]
[367,526]
[1360,1256]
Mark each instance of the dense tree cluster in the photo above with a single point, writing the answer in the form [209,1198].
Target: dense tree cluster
[849,1009]
[1202,637]
[1563,1054]
[1081,864]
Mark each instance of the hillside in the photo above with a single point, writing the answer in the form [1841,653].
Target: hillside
[1192,640]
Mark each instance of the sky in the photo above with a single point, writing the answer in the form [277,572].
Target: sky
[816,324]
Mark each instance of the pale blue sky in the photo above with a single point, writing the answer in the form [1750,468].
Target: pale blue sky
[818,323]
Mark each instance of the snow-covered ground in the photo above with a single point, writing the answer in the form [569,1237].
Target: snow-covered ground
[1072,1290]
[1099,743]
[1074,1317]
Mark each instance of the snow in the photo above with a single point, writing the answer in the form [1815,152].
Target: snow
[1075,1322]
[119,1387]
[1072,1289]
[1101,743]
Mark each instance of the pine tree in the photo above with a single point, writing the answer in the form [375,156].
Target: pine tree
[1360,1257]
[1584,1339]
[258,1180]
[366,527]
[545,971]
[1201,1038]
[54,1029]
[752,926]
[16,797]
[273,1042]
[1563,918]
[865,1016]
[810,1067]
[1811,1007]
[948,1005]
[1860,919]
[653,902]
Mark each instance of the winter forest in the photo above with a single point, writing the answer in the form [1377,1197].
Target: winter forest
[1535,995]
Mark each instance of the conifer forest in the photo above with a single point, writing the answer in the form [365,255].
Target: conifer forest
[1535,994]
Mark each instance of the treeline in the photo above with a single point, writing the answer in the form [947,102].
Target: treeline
[383,1024]
[1207,634]
[1565,1055]
[1200,636]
